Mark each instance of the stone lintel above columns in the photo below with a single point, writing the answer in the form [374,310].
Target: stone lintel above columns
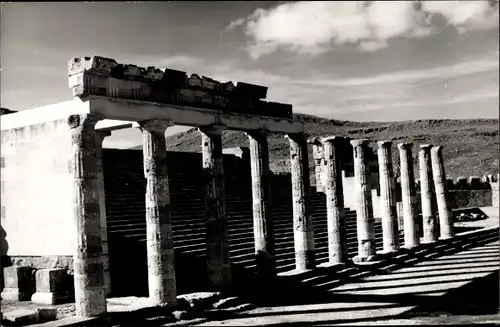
[425,146]
[213,129]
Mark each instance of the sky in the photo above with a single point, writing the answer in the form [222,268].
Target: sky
[347,60]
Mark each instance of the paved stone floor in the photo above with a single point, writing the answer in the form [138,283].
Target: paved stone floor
[384,299]
[450,289]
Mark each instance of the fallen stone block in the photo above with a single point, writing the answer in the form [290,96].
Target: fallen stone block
[227,303]
[51,287]
[201,300]
[18,283]
[22,317]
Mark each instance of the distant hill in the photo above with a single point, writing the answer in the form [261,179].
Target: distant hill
[471,147]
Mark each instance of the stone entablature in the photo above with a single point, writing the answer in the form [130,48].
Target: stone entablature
[100,76]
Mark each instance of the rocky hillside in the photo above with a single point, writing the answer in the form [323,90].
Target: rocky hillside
[471,147]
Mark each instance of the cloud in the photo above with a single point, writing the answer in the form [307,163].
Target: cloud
[408,94]
[312,27]
[444,72]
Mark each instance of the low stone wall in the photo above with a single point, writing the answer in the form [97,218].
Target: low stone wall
[469,198]
[43,262]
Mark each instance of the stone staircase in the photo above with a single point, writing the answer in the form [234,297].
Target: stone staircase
[125,205]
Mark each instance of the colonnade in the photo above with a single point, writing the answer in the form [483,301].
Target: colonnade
[92,284]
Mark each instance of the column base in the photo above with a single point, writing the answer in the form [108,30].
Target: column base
[50,298]
[443,238]
[386,255]
[369,260]
[339,265]
[426,242]
[13,294]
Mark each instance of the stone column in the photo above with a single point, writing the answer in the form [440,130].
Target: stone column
[318,156]
[90,295]
[364,207]
[494,194]
[408,192]
[303,231]
[336,225]
[263,228]
[100,135]
[439,175]
[390,229]
[427,195]
[160,247]
[218,264]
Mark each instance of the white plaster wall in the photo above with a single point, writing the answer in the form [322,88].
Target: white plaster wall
[37,189]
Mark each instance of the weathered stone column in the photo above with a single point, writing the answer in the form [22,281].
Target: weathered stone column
[495,194]
[336,225]
[319,162]
[427,195]
[364,209]
[90,295]
[218,264]
[160,245]
[408,192]
[303,231]
[263,227]
[100,135]
[439,175]
[390,231]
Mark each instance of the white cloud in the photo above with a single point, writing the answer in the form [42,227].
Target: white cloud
[311,27]
[409,94]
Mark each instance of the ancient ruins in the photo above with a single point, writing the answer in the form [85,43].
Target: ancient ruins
[111,96]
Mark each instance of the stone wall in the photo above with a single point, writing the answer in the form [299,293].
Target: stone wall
[36,189]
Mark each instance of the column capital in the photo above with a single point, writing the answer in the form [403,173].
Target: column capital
[314,141]
[384,144]
[297,137]
[154,125]
[84,120]
[333,139]
[359,142]
[257,133]
[212,129]
[405,146]
[100,136]
[437,148]
[425,146]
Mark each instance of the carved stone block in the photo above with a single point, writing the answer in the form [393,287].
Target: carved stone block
[18,283]
[52,287]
